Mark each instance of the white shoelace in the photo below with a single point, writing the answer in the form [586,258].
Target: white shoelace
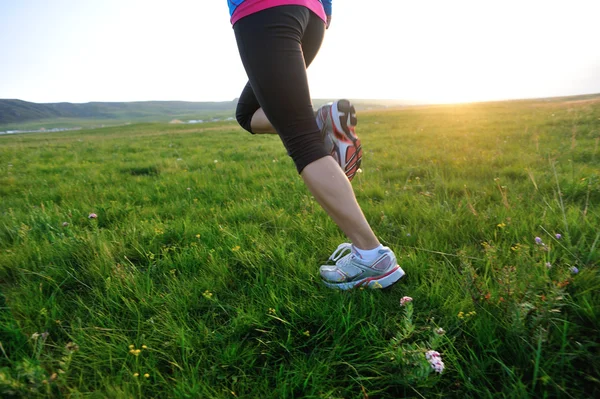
[340,252]
[343,257]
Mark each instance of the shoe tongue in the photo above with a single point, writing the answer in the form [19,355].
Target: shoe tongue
[355,252]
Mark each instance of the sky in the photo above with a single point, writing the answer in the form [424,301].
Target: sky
[437,51]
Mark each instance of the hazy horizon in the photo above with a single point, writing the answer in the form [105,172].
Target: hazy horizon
[391,100]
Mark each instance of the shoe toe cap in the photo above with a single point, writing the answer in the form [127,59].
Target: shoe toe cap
[332,274]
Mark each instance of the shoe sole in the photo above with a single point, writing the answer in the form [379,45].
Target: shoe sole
[343,115]
[381,282]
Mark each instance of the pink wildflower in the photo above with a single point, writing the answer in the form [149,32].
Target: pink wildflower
[405,300]
[435,359]
[92,216]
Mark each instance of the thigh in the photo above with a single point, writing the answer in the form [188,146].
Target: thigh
[312,37]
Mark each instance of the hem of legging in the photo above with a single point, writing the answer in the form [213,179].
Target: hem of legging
[314,160]
[248,129]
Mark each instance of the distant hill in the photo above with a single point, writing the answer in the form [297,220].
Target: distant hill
[16,111]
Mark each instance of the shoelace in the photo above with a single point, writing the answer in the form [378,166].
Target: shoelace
[341,256]
[340,251]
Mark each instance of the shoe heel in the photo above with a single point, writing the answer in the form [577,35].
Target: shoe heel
[347,108]
[344,118]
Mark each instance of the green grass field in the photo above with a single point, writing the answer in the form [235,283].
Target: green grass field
[199,276]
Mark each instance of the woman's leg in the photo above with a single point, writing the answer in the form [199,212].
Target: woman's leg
[271,48]
[332,190]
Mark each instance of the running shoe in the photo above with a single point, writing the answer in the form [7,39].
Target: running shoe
[351,271]
[337,122]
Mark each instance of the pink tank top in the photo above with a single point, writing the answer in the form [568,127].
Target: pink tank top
[252,6]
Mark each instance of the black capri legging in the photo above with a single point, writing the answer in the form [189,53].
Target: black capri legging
[276,46]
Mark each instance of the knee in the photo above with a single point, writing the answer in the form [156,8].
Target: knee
[244,117]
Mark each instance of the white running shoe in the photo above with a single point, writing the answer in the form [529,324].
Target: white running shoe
[337,122]
[351,271]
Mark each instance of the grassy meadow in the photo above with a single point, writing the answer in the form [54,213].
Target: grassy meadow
[199,276]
